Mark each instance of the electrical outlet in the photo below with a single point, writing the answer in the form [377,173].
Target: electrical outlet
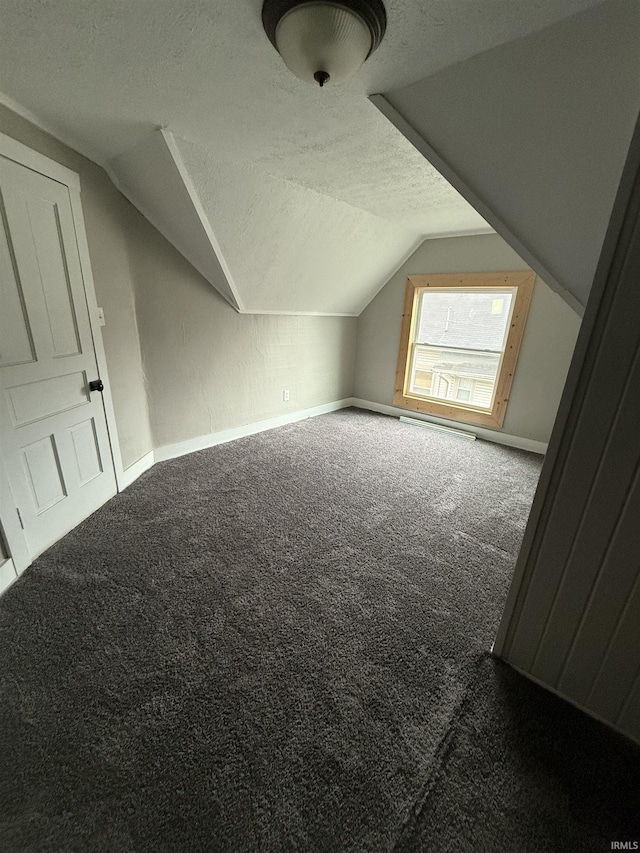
[285,396]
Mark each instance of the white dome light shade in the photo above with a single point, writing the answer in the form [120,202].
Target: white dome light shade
[321,38]
[324,40]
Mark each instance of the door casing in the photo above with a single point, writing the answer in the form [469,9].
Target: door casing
[25,156]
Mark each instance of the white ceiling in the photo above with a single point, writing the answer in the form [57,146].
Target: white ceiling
[327,193]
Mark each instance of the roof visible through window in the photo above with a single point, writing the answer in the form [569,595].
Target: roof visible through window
[464,320]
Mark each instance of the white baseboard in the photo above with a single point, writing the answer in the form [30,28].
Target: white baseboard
[130,474]
[201,442]
[7,575]
[171,451]
[486,434]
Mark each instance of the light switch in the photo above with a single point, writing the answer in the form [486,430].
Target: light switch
[101,316]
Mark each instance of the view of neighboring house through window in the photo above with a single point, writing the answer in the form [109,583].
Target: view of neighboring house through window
[459,343]
[460,340]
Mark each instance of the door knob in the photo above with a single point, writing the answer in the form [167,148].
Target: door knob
[96,385]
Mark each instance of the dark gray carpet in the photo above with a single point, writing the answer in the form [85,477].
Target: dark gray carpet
[521,770]
[258,647]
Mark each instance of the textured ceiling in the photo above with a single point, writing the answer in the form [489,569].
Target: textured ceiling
[103,74]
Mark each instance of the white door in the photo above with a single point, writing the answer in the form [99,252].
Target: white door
[55,445]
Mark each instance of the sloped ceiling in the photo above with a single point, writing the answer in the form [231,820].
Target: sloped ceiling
[539,130]
[287,198]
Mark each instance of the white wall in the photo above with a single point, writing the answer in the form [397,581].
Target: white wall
[572,618]
[539,130]
[209,368]
[547,346]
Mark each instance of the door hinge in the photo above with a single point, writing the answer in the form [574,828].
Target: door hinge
[20,518]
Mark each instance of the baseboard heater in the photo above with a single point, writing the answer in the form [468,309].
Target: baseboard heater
[438,428]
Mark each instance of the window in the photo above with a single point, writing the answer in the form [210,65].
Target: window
[465,387]
[459,344]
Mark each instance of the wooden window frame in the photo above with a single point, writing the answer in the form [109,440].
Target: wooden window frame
[523,284]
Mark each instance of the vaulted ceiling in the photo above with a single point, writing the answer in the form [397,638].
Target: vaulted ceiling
[286,197]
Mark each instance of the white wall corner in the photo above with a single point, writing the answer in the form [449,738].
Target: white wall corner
[174,151]
[84,150]
[153,177]
[129,475]
[418,242]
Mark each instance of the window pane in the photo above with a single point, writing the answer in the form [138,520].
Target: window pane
[464,320]
[459,342]
[454,374]
[459,345]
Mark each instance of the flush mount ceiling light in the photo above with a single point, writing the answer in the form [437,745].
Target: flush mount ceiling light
[322,41]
